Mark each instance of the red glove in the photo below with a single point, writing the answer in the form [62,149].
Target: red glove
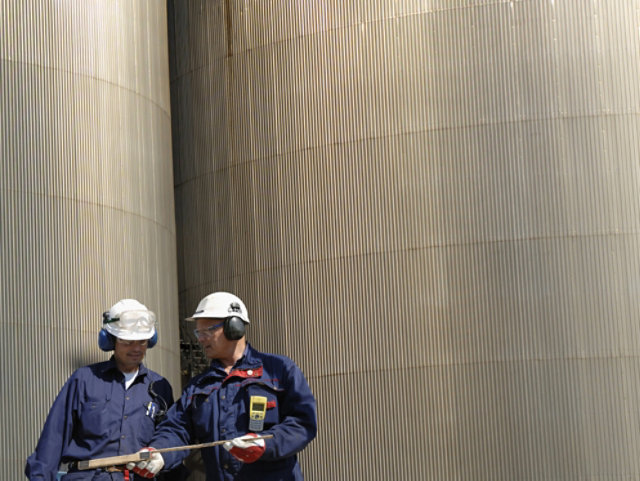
[147,468]
[245,448]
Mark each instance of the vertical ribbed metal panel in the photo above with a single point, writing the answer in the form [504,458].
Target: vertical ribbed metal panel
[86,195]
[434,208]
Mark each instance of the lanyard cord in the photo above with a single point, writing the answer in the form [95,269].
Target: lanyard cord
[162,404]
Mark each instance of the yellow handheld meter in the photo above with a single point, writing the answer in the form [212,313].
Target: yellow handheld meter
[257,413]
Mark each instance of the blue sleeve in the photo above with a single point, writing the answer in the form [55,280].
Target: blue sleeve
[173,431]
[43,464]
[298,426]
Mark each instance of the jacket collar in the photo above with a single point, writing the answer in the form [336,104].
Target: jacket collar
[248,366]
[111,368]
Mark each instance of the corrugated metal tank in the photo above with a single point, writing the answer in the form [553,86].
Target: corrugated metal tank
[86,196]
[434,208]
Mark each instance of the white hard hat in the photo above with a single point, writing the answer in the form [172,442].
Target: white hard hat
[130,320]
[221,305]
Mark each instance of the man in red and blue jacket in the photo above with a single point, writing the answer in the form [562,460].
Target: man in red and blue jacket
[215,405]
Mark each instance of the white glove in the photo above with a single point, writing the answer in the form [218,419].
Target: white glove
[147,468]
[245,448]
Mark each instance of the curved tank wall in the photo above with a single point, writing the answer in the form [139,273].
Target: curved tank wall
[433,207]
[86,196]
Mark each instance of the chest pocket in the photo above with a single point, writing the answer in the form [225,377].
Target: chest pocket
[92,416]
[202,415]
[145,425]
[273,394]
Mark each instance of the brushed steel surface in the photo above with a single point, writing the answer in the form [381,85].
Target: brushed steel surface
[433,207]
[86,196]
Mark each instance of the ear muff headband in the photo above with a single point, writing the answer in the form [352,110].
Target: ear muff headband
[234,328]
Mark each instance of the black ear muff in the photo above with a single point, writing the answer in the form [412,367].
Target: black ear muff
[234,328]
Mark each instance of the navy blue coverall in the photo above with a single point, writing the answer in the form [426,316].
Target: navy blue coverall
[214,406]
[95,417]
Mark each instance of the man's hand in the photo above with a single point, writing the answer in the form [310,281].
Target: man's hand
[245,448]
[147,468]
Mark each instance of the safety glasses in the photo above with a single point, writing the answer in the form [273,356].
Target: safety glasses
[135,319]
[206,332]
[126,343]
[132,325]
